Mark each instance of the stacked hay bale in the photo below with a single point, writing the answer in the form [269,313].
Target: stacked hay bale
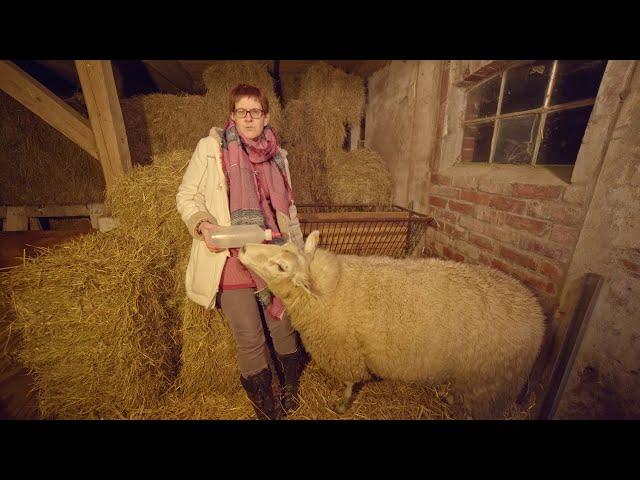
[329,102]
[39,165]
[161,123]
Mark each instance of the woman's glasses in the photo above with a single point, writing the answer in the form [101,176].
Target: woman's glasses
[254,112]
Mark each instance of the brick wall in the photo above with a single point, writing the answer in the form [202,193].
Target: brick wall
[528,231]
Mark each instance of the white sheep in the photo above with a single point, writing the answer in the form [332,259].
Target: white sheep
[413,320]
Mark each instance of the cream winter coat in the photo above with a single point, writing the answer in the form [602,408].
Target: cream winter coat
[203,195]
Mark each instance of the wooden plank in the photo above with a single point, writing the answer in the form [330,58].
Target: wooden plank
[34,223]
[351,216]
[45,104]
[169,75]
[16,221]
[105,115]
[58,210]
[571,345]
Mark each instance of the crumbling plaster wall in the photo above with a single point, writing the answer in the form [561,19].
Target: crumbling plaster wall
[401,123]
[605,379]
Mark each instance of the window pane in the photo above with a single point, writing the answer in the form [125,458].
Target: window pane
[577,80]
[482,101]
[526,86]
[476,145]
[516,139]
[563,132]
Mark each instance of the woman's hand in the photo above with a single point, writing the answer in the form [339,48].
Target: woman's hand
[207,228]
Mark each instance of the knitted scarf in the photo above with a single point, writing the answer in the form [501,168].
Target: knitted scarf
[242,160]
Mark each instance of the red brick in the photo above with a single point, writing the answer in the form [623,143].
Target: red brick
[447,216]
[489,186]
[631,266]
[532,281]
[469,142]
[500,265]
[475,197]
[437,201]
[465,182]
[564,235]
[557,212]
[469,251]
[471,223]
[484,259]
[519,258]
[461,207]
[535,227]
[575,194]
[505,236]
[440,179]
[482,242]
[508,204]
[489,215]
[455,232]
[527,190]
[544,248]
[445,191]
[447,252]
[551,271]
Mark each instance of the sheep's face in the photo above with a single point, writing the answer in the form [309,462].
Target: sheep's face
[280,265]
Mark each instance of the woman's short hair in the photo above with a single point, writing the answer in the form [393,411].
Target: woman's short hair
[244,90]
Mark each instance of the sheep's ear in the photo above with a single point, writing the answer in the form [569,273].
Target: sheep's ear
[312,242]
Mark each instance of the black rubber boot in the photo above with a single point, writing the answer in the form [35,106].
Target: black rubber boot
[292,367]
[260,392]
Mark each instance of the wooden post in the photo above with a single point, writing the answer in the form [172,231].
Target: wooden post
[105,115]
[17,220]
[571,345]
[45,104]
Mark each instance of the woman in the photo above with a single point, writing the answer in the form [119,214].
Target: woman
[239,175]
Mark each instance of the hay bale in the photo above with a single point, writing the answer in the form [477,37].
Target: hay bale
[223,75]
[94,324]
[359,177]
[39,165]
[99,320]
[161,123]
[332,88]
[290,86]
[311,137]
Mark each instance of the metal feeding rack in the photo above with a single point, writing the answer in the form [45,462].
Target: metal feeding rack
[365,229]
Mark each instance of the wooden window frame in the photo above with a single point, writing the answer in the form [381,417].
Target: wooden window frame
[544,111]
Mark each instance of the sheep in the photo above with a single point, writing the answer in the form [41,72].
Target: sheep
[414,320]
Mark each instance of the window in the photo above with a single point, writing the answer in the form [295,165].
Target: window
[531,114]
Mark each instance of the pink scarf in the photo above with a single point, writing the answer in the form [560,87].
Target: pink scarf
[242,160]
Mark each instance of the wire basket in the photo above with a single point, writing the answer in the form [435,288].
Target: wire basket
[364,229]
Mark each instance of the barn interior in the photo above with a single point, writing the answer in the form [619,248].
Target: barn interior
[530,167]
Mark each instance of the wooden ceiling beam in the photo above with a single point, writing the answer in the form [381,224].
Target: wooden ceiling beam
[105,116]
[46,105]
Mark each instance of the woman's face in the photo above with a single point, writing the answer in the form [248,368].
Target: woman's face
[248,126]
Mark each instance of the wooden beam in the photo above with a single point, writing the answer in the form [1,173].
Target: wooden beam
[169,75]
[105,115]
[45,104]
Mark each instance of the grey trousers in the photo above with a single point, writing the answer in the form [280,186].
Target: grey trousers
[240,307]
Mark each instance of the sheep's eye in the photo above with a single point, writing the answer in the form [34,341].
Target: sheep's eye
[281,268]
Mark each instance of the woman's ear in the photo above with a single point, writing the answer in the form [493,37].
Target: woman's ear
[266,119]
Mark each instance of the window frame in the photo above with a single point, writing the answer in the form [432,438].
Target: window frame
[543,111]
